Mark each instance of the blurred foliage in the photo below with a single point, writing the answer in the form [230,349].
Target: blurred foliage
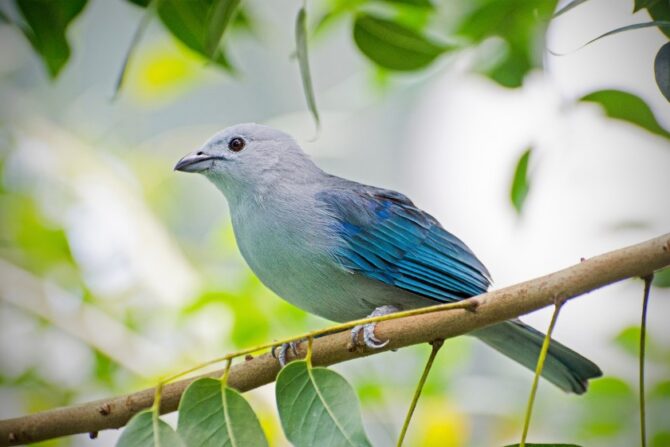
[396,36]
[627,107]
[520,182]
[46,25]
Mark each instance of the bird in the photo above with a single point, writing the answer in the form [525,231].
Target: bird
[344,250]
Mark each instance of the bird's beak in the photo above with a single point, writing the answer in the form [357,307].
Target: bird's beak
[194,162]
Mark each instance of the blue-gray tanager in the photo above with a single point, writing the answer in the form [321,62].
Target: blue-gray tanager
[344,250]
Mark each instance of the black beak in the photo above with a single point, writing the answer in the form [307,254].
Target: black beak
[195,162]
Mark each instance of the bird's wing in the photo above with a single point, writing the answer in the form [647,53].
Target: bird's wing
[385,237]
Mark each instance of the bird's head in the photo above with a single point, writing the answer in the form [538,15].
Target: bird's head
[247,156]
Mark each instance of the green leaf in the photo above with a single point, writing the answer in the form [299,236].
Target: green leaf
[660,11]
[521,24]
[143,431]
[520,182]
[608,402]
[627,107]
[47,23]
[639,4]
[137,36]
[662,70]
[220,15]
[303,62]
[629,340]
[206,418]
[394,46]
[318,404]
[662,278]
[568,7]
[188,21]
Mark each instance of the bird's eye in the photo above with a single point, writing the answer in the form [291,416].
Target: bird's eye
[236,144]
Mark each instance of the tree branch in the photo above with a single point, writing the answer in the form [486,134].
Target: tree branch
[493,307]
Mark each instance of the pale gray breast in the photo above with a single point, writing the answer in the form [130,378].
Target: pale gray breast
[290,249]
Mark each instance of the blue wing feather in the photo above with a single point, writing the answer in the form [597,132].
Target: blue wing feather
[386,238]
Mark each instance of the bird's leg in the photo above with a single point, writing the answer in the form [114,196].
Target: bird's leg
[368,330]
[279,352]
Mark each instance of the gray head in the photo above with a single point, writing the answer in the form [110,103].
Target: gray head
[248,157]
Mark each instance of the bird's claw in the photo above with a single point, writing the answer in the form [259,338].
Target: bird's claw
[280,351]
[370,340]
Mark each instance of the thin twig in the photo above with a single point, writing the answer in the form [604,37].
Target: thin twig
[538,372]
[643,338]
[437,344]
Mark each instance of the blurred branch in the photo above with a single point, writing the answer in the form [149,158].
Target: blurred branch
[493,307]
[81,320]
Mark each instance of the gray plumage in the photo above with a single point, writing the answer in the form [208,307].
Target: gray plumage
[340,249]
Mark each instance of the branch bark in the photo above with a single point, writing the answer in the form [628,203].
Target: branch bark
[493,307]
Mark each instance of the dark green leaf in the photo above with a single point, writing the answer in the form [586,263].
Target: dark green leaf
[639,4]
[144,431]
[520,183]
[137,36]
[303,61]
[188,21]
[662,278]
[206,418]
[568,7]
[521,24]
[221,13]
[317,403]
[662,70]
[660,11]
[47,23]
[141,3]
[394,46]
[627,107]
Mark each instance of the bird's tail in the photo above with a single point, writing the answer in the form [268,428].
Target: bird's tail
[563,367]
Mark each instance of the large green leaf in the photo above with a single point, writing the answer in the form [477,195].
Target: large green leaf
[662,70]
[521,24]
[211,414]
[660,11]
[520,183]
[221,13]
[318,407]
[627,107]
[303,61]
[46,26]
[189,21]
[394,46]
[144,431]
[639,4]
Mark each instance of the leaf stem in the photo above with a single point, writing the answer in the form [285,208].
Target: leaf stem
[226,372]
[308,357]
[470,303]
[538,371]
[437,344]
[643,338]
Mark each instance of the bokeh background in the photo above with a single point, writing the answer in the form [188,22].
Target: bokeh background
[115,270]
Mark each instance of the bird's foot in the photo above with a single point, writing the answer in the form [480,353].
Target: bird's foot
[279,352]
[370,340]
